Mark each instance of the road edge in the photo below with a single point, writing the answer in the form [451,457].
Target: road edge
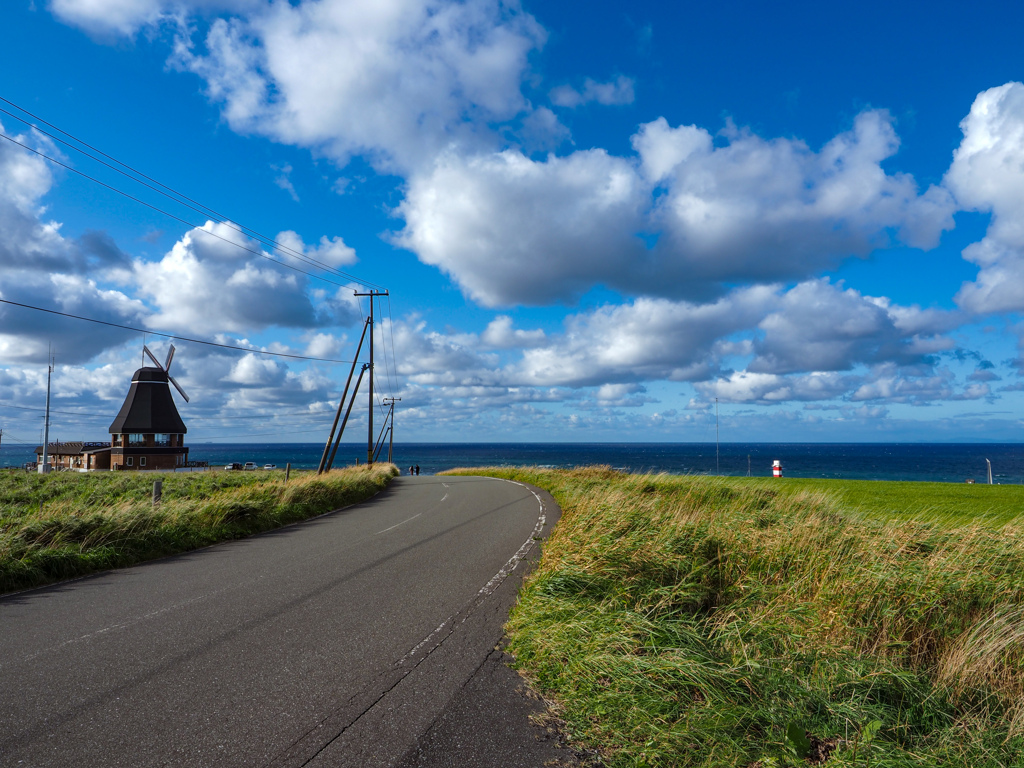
[497,719]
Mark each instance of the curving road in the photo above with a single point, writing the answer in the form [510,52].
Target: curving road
[334,642]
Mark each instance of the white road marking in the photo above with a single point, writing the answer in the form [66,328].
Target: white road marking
[495,581]
[378,533]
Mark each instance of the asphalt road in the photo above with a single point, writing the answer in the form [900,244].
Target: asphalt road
[348,640]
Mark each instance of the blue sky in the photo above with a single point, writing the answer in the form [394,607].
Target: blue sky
[593,219]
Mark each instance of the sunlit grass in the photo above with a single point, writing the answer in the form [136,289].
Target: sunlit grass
[63,525]
[697,621]
[952,502]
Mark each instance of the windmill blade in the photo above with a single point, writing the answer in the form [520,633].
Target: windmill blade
[177,386]
[152,357]
[170,356]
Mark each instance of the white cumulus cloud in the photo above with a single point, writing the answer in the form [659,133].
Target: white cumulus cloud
[819,326]
[770,388]
[648,339]
[395,81]
[987,174]
[500,334]
[42,268]
[330,251]
[206,284]
[511,229]
[758,209]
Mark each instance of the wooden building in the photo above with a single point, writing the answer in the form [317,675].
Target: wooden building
[78,456]
[148,433]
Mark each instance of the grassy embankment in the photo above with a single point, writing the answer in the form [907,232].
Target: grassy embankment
[67,524]
[695,621]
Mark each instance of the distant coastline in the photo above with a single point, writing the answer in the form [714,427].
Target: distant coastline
[937,462]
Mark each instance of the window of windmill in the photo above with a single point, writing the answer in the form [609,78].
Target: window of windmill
[161,439]
[136,439]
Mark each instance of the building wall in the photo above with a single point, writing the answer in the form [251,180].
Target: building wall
[164,461]
[62,461]
[99,461]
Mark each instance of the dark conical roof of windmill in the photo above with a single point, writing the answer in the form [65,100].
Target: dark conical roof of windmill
[148,408]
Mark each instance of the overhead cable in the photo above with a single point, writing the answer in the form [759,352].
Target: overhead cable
[391,333]
[264,416]
[168,213]
[170,193]
[174,335]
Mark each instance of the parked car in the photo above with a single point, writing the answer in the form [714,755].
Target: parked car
[233,465]
[250,465]
[270,466]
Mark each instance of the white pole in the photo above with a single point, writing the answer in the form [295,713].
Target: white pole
[989,471]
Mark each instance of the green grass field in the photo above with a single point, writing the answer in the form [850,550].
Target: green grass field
[702,621]
[953,503]
[66,524]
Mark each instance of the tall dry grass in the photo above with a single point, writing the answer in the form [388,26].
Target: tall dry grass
[698,621]
[68,537]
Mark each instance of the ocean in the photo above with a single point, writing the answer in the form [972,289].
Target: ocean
[937,462]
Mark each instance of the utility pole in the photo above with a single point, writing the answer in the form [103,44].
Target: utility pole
[369,432]
[337,440]
[45,466]
[391,430]
[341,404]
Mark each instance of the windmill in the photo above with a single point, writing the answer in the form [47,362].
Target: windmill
[148,432]
[166,368]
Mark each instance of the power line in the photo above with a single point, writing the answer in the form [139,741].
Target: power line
[186,222]
[65,413]
[264,416]
[256,434]
[174,335]
[376,396]
[387,367]
[372,371]
[164,190]
[171,193]
[391,333]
